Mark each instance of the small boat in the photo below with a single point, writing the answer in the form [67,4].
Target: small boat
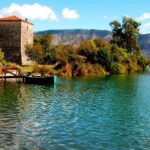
[40,79]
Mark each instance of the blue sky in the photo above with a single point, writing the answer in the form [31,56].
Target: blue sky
[77,14]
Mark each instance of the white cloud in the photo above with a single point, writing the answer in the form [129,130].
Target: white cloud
[70,14]
[31,11]
[145,28]
[147,25]
[144,17]
[109,18]
[105,17]
[128,16]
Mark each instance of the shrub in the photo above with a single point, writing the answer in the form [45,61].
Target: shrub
[66,54]
[1,58]
[117,68]
[12,65]
[42,51]
[89,50]
[102,44]
[141,60]
[41,69]
[87,69]
[104,58]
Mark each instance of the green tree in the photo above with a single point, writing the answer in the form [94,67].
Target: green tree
[88,49]
[42,51]
[104,58]
[35,52]
[116,33]
[102,44]
[66,54]
[126,35]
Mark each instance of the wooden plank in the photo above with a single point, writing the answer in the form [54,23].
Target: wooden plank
[11,73]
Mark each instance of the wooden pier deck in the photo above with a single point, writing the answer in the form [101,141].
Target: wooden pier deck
[10,73]
[15,73]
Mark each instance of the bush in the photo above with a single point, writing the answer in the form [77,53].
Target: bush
[66,54]
[104,58]
[141,60]
[1,58]
[87,69]
[117,68]
[12,65]
[102,44]
[42,51]
[41,69]
[89,50]
[119,54]
[66,71]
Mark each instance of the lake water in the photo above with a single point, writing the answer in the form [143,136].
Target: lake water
[108,113]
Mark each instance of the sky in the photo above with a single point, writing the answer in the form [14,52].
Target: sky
[77,14]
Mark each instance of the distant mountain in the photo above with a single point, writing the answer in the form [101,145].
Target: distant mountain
[144,41]
[74,36]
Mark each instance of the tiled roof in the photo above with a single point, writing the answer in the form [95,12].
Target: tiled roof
[14,18]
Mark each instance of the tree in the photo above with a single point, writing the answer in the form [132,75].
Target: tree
[42,51]
[104,58]
[126,35]
[66,54]
[102,44]
[116,33]
[35,52]
[88,49]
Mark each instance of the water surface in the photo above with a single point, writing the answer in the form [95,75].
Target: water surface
[110,113]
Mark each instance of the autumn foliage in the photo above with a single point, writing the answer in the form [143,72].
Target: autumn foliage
[93,56]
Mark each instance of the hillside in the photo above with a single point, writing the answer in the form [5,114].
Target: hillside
[144,40]
[74,36]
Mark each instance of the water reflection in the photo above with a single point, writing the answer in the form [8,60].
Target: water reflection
[82,113]
[18,103]
[8,114]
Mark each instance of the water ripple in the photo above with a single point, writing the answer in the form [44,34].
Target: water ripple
[82,113]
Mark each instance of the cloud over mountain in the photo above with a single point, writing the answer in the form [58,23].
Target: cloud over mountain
[70,14]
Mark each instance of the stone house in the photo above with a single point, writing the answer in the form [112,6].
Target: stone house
[15,33]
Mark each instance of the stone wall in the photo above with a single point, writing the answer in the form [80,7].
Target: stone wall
[26,38]
[10,38]
[14,35]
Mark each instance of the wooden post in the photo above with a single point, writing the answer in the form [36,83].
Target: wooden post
[5,74]
[1,74]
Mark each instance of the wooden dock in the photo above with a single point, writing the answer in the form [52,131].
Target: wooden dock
[15,73]
[10,73]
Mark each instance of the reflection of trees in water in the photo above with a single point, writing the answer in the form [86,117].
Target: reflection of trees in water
[25,110]
[122,106]
[20,106]
[13,103]
[124,94]
[8,112]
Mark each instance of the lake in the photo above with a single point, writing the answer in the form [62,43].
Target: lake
[103,113]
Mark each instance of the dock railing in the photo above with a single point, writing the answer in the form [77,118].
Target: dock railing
[11,73]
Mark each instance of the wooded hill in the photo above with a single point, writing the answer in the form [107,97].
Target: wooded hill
[75,36]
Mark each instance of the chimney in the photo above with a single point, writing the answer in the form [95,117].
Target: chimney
[26,19]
